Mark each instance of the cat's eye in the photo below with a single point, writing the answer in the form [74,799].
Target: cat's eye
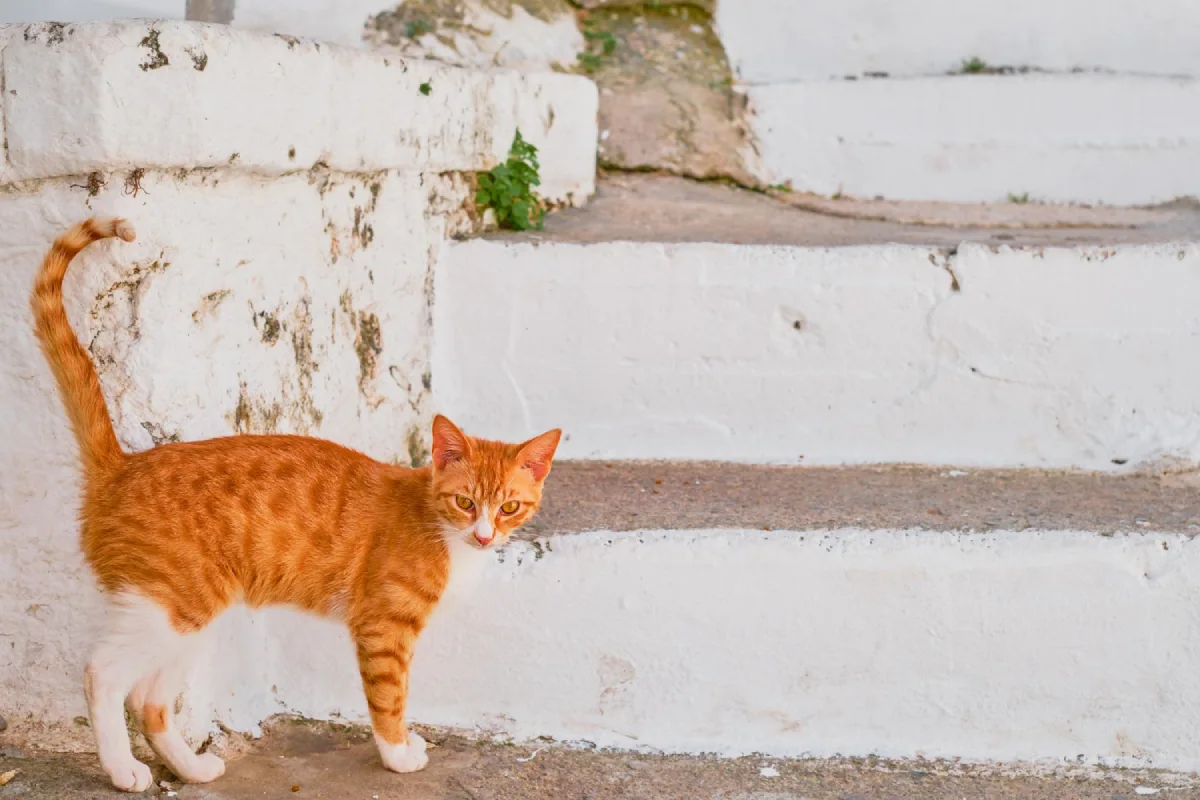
[510,507]
[464,502]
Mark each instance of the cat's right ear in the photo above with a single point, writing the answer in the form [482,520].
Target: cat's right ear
[450,444]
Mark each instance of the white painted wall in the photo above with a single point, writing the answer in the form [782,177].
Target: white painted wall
[1048,358]
[1002,646]
[179,354]
[22,11]
[276,181]
[978,138]
[271,105]
[778,41]
[339,21]
[1102,118]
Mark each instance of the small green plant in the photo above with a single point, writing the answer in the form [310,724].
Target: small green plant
[425,88]
[786,188]
[1019,199]
[590,62]
[508,189]
[416,28]
[973,66]
[600,44]
[608,42]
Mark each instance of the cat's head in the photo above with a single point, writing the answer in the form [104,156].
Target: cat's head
[486,490]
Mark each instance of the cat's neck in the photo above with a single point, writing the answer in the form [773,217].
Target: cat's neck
[409,493]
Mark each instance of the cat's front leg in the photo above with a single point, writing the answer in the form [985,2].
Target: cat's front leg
[384,654]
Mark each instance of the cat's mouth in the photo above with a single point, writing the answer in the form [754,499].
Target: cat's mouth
[470,537]
[480,544]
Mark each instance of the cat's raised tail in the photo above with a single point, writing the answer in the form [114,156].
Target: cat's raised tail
[73,369]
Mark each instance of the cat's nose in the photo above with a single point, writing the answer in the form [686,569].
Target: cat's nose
[484,539]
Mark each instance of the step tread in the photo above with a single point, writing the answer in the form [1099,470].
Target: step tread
[661,208]
[586,496]
[336,761]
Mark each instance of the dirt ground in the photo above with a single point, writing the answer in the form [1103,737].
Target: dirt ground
[308,760]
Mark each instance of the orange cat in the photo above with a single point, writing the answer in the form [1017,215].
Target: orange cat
[179,533]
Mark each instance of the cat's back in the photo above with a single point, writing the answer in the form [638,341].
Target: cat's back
[221,489]
[198,524]
[236,465]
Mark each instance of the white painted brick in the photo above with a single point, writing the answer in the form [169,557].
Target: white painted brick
[1112,139]
[1055,358]
[776,41]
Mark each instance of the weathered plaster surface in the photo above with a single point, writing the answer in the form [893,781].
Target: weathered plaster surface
[1034,357]
[172,95]
[982,138]
[1029,646]
[864,98]
[779,41]
[297,305]
[667,100]
[25,11]
[291,200]
[340,21]
[539,35]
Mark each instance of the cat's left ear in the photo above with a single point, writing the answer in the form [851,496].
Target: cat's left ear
[538,452]
[449,443]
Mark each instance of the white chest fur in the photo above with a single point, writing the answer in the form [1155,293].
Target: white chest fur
[467,564]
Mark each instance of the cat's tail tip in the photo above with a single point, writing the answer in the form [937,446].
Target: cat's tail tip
[116,226]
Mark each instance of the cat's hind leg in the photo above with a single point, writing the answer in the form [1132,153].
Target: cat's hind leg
[136,640]
[152,703]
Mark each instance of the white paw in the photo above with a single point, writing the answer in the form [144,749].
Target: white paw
[132,776]
[208,768]
[403,757]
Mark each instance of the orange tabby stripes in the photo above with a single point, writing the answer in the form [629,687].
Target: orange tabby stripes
[177,534]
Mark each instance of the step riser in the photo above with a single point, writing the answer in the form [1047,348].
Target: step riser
[773,41]
[1056,138]
[1001,646]
[1056,358]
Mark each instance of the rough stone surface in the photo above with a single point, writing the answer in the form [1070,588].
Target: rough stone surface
[662,208]
[624,496]
[667,99]
[306,760]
